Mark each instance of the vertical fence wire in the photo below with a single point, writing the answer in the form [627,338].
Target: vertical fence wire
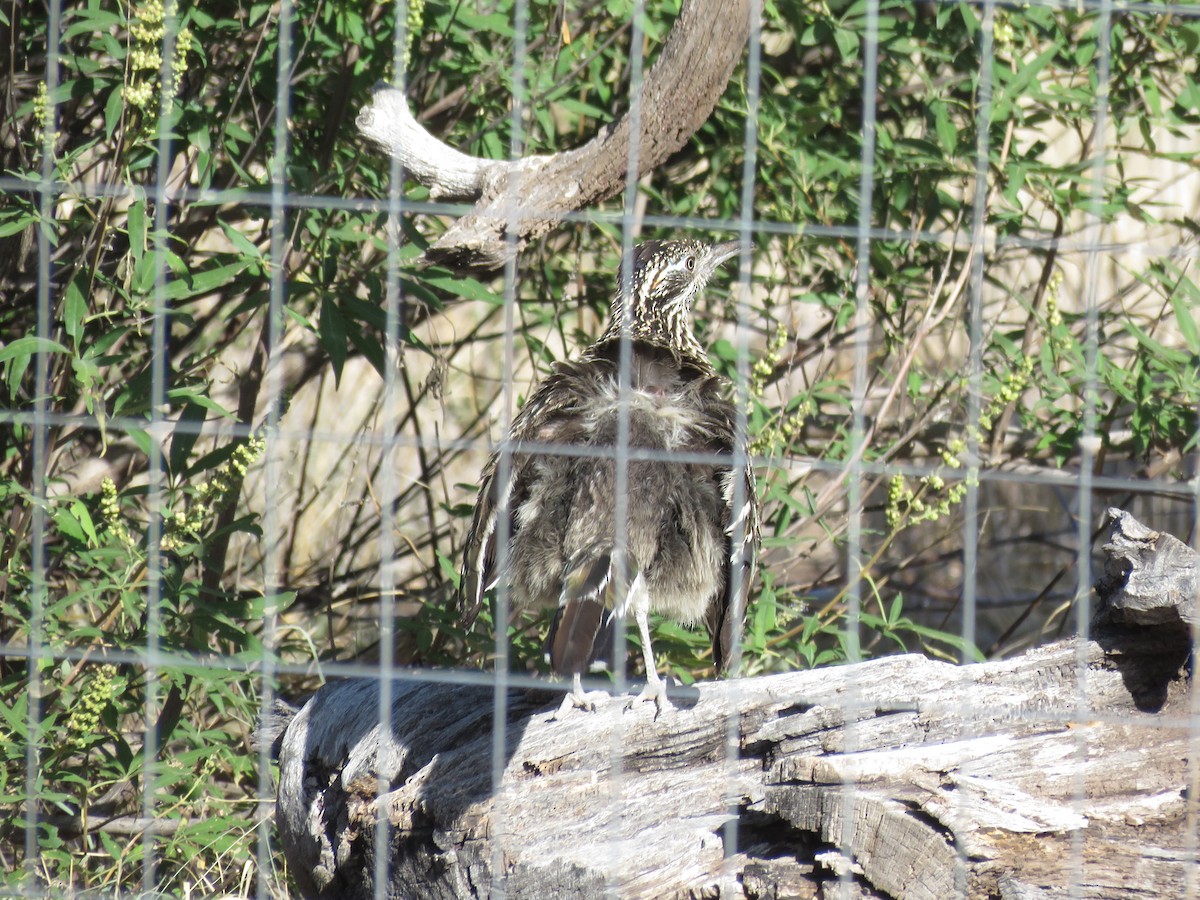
[975,299]
[281,239]
[47,201]
[1191,813]
[615,841]
[972,520]
[854,472]
[746,234]
[1089,443]
[158,709]
[388,481]
[513,193]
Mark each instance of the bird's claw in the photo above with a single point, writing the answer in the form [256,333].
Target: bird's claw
[655,690]
[576,700]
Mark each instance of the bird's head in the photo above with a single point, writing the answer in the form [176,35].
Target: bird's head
[654,301]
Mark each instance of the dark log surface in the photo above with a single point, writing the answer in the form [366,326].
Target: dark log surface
[1063,772]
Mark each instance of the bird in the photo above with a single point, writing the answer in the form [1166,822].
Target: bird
[597,440]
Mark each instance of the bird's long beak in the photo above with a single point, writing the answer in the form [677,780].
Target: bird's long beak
[718,253]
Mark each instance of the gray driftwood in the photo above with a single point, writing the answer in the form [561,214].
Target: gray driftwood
[526,197]
[1064,772]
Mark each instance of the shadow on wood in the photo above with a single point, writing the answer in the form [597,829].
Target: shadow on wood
[1067,768]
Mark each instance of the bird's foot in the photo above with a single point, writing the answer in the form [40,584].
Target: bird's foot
[577,699]
[656,690]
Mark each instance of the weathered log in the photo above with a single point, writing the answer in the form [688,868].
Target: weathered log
[1063,772]
[527,196]
[1149,577]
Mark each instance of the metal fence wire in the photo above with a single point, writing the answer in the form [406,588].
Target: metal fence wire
[256,357]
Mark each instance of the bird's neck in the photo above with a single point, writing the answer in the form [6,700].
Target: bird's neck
[665,327]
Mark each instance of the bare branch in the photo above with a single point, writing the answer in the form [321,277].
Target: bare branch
[449,174]
[532,194]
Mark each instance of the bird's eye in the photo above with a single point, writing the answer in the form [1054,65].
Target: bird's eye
[691,263]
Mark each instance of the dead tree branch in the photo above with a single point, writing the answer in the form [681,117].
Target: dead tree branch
[530,195]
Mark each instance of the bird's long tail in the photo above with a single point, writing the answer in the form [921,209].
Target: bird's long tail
[597,583]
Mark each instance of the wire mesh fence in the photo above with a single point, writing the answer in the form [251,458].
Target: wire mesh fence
[255,363]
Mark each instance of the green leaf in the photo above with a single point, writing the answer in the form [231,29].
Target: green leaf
[764,618]
[464,286]
[201,399]
[135,228]
[216,457]
[947,131]
[371,348]
[206,281]
[300,319]
[847,43]
[1187,101]
[187,432]
[144,274]
[75,309]
[449,570]
[84,518]
[969,17]
[240,242]
[28,346]
[104,343]
[89,20]
[332,330]
[141,438]
[68,525]
[114,107]
[1014,87]
[1187,324]
[18,221]
[1169,354]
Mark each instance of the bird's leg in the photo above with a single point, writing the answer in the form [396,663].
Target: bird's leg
[576,698]
[656,688]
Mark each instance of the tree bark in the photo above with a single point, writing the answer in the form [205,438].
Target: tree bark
[1065,771]
[527,197]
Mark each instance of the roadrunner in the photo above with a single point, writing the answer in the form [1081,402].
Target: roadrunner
[601,438]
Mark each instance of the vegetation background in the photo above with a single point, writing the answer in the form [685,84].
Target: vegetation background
[230,466]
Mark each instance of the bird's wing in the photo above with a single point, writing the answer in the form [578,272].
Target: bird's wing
[480,557]
[725,616]
[544,419]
